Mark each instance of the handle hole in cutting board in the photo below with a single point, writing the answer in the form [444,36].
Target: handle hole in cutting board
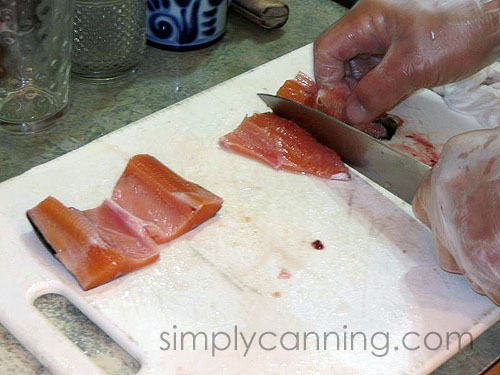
[88,337]
[14,358]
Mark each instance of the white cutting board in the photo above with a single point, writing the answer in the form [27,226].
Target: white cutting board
[377,271]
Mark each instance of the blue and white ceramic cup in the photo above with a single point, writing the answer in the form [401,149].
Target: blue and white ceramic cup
[185,24]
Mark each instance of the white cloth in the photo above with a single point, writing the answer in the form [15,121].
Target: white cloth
[478,96]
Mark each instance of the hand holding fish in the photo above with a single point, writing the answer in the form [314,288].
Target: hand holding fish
[384,50]
[460,201]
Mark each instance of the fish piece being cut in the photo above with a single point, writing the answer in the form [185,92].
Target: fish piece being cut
[97,245]
[332,101]
[168,204]
[284,145]
[301,89]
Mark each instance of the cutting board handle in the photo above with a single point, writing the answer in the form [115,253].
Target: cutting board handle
[55,351]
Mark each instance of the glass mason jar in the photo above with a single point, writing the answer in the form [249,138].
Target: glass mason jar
[108,39]
[35,49]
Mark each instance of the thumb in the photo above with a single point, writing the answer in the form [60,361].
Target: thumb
[379,90]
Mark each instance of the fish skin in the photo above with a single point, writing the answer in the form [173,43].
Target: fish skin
[282,144]
[93,252]
[103,243]
[168,204]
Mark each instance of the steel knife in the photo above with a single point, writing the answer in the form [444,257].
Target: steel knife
[398,173]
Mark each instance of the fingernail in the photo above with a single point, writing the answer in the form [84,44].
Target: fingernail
[356,113]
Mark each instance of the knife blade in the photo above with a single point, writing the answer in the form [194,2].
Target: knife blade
[396,172]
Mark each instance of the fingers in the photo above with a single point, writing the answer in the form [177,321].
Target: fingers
[353,35]
[328,67]
[352,50]
[379,90]
[475,287]
[445,259]
[494,295]
[449,264]
[460,208]
[361,65]
[420,201]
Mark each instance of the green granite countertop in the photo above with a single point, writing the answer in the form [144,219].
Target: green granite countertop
[163,79]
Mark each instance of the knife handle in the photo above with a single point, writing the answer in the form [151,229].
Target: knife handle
[269,14]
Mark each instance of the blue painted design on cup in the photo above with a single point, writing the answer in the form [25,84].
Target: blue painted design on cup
[185,24]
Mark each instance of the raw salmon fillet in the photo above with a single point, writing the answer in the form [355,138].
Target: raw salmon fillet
[332,101]
[97,245]
[168,204]
[284,145]
[301,89]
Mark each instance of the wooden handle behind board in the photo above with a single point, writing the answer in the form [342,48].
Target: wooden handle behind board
[269,14]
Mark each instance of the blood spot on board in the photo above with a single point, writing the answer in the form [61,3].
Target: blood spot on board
[419,147]
[284,275]
[405,251]
[318,245]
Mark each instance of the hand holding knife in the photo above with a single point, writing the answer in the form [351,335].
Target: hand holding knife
[459,199]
